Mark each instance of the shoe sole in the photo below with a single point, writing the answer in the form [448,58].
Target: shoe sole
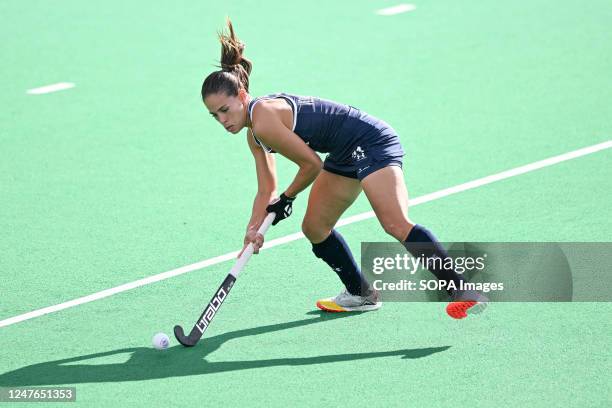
[460,310]
[330,306]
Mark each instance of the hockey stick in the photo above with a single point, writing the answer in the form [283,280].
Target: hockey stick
[215,303]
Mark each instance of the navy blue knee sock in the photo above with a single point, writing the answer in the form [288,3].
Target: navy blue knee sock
[431,248]
[336,253]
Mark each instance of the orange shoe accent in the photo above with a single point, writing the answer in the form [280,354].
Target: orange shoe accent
[458,310]
[329,306]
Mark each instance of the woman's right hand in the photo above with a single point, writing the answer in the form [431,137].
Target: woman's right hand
[255,238]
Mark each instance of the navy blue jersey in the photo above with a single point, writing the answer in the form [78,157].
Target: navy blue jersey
[335,128]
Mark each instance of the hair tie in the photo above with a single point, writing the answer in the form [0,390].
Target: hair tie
[227,67]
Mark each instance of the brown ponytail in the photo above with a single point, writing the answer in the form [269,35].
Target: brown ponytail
[235,68]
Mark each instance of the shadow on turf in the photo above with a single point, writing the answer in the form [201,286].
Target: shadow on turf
[146,363]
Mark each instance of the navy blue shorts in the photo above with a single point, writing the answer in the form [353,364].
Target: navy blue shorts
[365,159]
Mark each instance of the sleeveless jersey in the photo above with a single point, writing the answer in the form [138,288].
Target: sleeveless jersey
[331,127]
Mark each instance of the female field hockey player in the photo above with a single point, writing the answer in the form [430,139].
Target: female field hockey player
[364,153]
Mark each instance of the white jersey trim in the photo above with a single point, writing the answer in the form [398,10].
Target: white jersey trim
[252,107]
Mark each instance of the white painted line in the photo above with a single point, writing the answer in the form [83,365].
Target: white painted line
[50,88]
[293,237]
[401,8]
[517,171]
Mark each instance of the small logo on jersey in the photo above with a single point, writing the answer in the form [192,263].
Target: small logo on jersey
[358,154]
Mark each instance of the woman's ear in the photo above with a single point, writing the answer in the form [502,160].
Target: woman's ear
[243,95]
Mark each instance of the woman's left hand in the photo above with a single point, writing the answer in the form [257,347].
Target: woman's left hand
[281,207]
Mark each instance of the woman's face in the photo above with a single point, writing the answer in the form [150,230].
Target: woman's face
[229,111]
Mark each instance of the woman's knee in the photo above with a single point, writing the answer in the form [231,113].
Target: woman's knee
[315,231]
[398,229]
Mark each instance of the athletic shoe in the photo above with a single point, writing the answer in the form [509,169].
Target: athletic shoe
[466,302]
[345,302]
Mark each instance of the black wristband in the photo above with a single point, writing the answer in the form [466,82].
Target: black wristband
[285,197]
